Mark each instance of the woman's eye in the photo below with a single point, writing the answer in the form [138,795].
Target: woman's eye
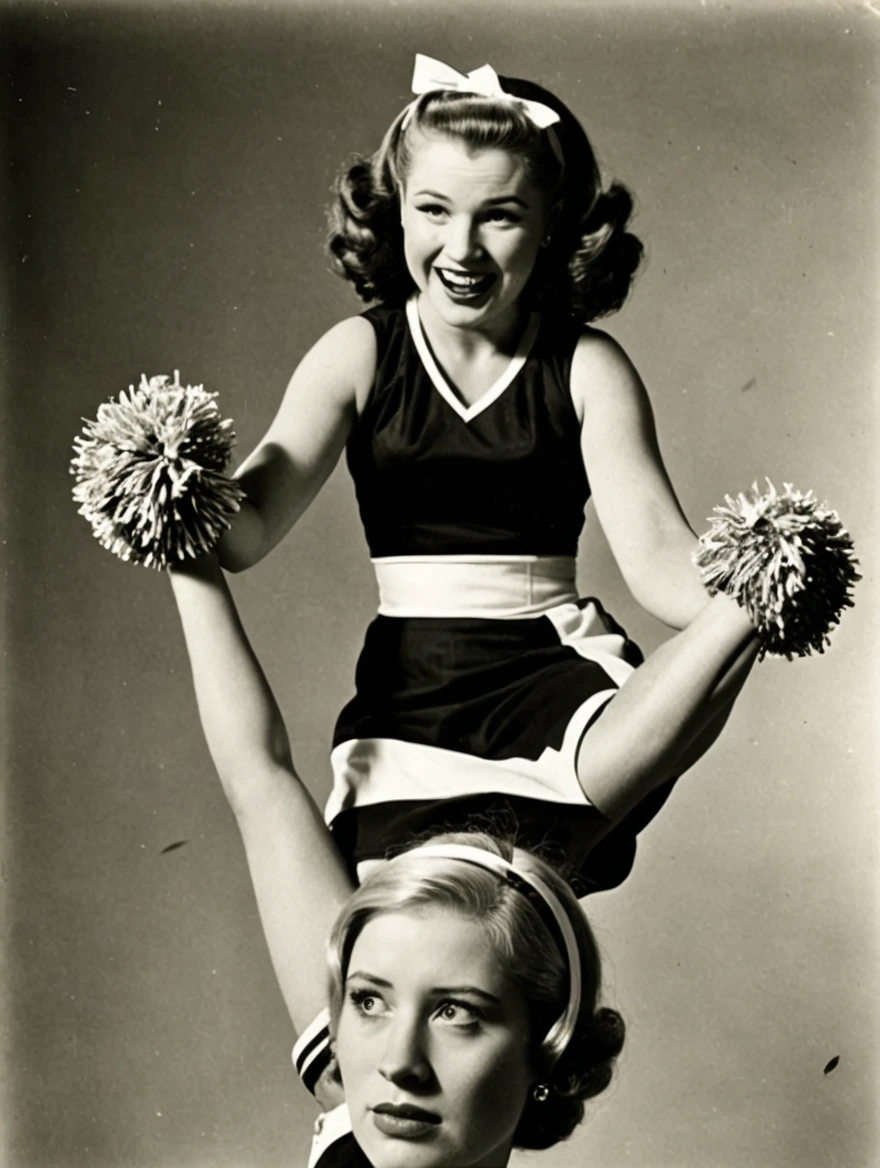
[367,1004]
[499,215]
[458,1014]
[432,210]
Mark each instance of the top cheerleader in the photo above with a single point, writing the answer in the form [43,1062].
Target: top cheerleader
[479,410]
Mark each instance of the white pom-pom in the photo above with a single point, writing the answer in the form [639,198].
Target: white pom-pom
[787,560]
[150,473]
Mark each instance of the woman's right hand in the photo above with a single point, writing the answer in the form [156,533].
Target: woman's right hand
[303,444]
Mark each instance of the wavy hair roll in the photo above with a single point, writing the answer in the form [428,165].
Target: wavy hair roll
[587,270]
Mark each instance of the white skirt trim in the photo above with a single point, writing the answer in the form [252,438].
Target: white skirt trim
[381,770]
[575,625]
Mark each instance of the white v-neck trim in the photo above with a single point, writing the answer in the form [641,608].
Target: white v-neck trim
[466,413]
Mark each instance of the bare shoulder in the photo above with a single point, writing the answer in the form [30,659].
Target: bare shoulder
[343,359]
[599,355]
[355,333]
[602,374]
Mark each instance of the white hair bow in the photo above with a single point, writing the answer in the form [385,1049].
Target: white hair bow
[430,76]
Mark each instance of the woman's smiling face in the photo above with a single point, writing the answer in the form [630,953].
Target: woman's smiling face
[432,1044]
[473,224]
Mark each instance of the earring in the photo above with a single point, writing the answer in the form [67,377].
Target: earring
[546,241]
[541,1093]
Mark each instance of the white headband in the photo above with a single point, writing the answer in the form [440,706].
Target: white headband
[560,1033]
[431,76]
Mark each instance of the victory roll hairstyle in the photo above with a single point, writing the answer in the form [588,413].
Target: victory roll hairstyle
[529,948]
[588,267]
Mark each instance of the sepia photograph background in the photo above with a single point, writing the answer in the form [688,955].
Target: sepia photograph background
[167,173]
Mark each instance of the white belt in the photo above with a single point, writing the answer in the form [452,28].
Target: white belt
[501,587]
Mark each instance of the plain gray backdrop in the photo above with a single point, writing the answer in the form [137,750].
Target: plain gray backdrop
[168,172]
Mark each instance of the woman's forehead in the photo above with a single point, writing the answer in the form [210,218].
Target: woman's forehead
[440,160]
[428,948]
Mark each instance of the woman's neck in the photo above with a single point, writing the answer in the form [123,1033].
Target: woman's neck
[497,337]
[500,1158]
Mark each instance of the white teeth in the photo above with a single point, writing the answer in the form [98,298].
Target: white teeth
[462,281]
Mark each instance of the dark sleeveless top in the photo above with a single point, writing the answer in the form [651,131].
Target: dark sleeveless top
[509,481]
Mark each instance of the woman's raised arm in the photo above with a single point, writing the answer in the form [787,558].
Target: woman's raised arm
[302,446]
[298,875]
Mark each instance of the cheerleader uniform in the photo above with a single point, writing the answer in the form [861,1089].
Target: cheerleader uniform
[333,1144]
[483,669]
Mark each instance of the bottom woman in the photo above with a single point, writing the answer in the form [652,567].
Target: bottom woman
[463,976]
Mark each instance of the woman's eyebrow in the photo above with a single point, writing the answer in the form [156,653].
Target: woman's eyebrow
[370,977]
[468,989]
[507,199]
[375,980]
[493,202]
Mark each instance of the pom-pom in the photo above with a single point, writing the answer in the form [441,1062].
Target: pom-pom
[150,473]
[787,560]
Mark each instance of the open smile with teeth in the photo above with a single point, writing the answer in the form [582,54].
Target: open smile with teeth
[465,284]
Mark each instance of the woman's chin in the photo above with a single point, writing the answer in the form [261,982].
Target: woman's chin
[488,308]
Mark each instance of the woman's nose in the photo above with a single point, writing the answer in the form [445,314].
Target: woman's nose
[462,239]
[404,1060]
